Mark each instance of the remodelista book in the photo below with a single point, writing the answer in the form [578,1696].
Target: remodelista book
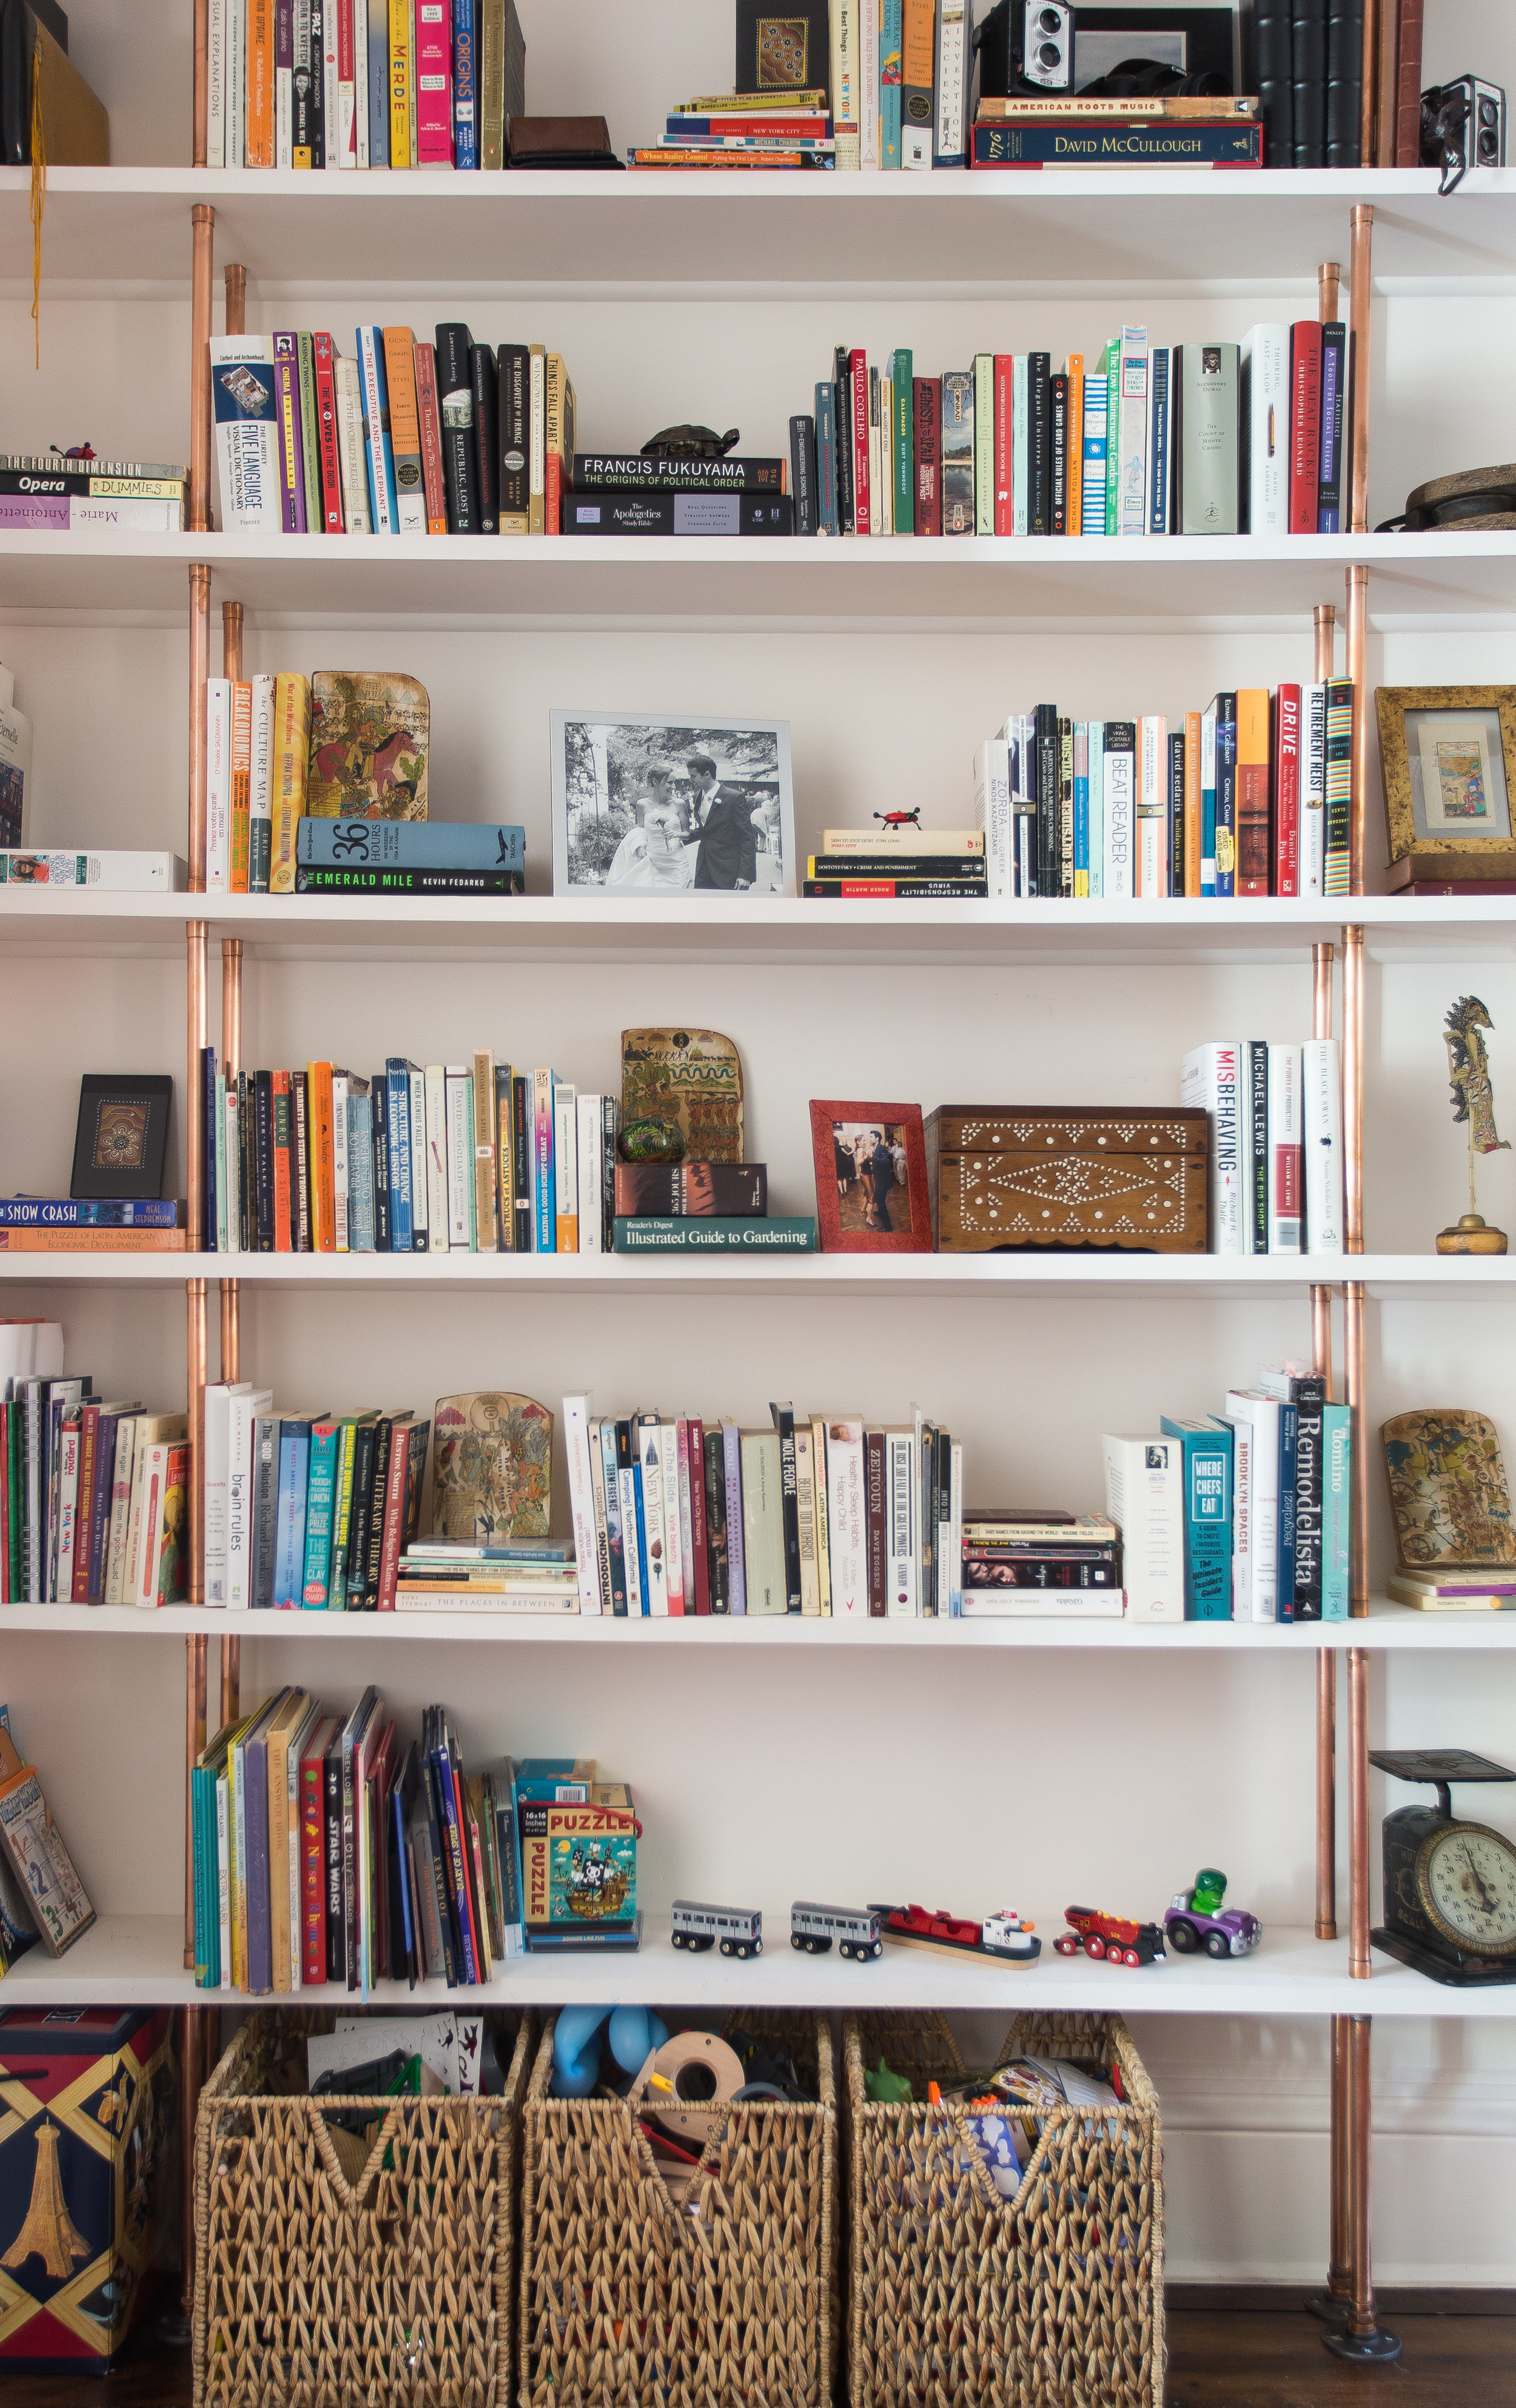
[788,1234]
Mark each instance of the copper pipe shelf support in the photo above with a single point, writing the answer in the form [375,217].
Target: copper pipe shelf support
[1361,2338]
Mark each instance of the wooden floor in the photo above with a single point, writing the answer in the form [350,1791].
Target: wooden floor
[1226,2351]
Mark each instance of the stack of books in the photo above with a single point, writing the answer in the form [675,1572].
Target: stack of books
[1252,797]
[455,1157]
[72,489]
[626,493]
[744,129]
[1276,1171]
[518,1576]
[899,861]
[1241,1517]
[1140,438]
[363,84]
[686,1207]
[1022,1561]
[1074,130]
[1465,1591]
[446,438]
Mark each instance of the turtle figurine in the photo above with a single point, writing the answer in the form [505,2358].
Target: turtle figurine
[690,443]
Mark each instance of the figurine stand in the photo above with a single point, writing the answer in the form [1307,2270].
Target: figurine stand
[1472,1234]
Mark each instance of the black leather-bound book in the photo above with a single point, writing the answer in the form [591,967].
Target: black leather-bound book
[1308,52]
[486,435]
[1344,82]
[1268,70]
[455,409]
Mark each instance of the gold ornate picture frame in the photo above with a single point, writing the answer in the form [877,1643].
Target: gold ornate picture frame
[1448,757]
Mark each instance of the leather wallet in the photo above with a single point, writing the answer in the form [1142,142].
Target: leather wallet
[561,142]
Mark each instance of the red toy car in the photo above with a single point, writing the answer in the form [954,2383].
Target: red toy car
[1110,1936]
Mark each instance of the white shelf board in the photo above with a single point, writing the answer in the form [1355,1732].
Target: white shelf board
[788,931]
[771,581]
[136,1960]
[1388,1629]
[496,233]
[1202,1277]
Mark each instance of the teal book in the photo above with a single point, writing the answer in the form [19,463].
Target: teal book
[1208,1515]
[290,1511]
[321,1488]
[890,32]
[903,430]
[1336,1511]
[794,1234]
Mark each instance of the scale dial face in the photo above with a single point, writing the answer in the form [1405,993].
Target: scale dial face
[1466,1875]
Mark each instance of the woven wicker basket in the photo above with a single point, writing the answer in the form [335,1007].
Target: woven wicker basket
[960,2298]
[627,2303]
[390,2290]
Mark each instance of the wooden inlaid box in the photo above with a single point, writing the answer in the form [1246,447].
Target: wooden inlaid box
[1067,1177]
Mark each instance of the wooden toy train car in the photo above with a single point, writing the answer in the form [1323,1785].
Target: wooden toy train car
[855,1929]
[1109,1936]
[739,1928]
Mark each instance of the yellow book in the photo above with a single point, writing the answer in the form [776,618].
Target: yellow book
[291,766]
[1254,861]
[400,82]
[291,1715]
[1074,471]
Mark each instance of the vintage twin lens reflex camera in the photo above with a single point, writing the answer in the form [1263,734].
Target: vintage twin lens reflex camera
[1048,45]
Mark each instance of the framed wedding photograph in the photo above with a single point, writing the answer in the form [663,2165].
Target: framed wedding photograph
[871,1191]
[122,1136]
[1448,759]
[647,805]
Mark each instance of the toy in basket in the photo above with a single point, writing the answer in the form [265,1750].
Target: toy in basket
[1004,1939]
[739,1928]
[1109,1936]
[1197,1919]
[855,1929]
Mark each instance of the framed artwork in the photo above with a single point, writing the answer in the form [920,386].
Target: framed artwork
[871,1191]
[123,1135]
[1448,753]
[1197,38]
[644,805]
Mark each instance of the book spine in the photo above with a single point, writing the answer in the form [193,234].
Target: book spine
[1338,1472]
[1329,482]
[1322,1139]
[312,1874]
[434,83]
[431,436]
[1209,1081]
[1287,791]
[803,473]
[1254,854]
[1284,1593]
[332,1789]
[403,446]
[347,377]
[1285,1166]
[1305,426]
[735,1540]
[379,455]
[1309,1409]
[858,422]
[1314,790]
[928,448]
[1340,705]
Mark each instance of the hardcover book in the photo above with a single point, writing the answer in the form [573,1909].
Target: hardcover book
[370,736]
[679,1190]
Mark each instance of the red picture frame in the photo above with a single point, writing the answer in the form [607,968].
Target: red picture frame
[847,1138]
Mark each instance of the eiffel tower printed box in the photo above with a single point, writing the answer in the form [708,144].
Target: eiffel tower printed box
[1066,1177]
[88,2116]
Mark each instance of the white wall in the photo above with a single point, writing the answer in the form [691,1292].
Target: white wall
[1112,1778]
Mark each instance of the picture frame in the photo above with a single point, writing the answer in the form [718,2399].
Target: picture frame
[1448,760]
[1197,38]
[849,1138]
[123,1135]
[671,804]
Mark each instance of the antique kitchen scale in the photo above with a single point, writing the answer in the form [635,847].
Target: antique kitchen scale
[1450,1888]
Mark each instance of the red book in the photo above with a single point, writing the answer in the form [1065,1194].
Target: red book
[332,522]
[697,1519]
[5,1509]
[313,1852]
[1305,425]
[1408,124]
[876,1510]
[465,1891]
[1287,791]
[858,388]
[928,455]
[1005,520]
[427,411]
[395,1513]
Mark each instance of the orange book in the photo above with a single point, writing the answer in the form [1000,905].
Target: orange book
[91,1242]
[241,782]
[1256,854]
[259,89]
[283,1139]
[405,430]
[1193,816]
[322,1171]
[1074,468]
[431,427]
[558,414]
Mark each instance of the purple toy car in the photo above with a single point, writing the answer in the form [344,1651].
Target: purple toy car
[1197,1919]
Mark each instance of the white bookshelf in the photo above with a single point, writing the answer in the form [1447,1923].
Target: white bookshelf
[818,1768]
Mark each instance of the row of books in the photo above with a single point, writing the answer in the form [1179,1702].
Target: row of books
[94,1497]
[823,1514]
[1189,438]
[1241,1516]
[328,1853]
[450,437]
[470,1157]
[15,762]
[363,84]
[1275,1178]
[1250,797]
[307,1509]
[59,490]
